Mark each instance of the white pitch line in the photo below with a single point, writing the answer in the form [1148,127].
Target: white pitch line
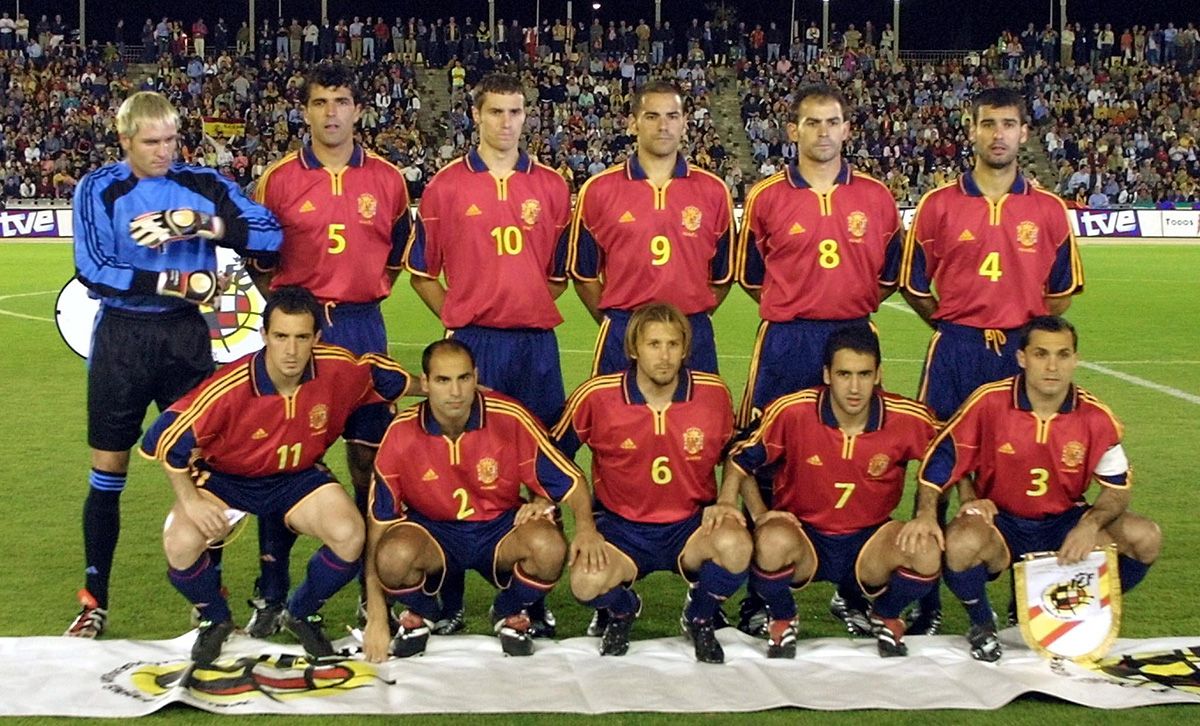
[23,316]
[1135,380]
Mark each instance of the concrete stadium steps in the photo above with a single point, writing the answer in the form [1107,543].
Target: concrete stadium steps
[433,84]
[727,117]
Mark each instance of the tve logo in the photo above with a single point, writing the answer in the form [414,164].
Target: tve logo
[33,223]
[1118,223]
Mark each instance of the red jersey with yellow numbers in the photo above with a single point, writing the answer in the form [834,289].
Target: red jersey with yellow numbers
[342,231]
[496,239]
[1028,467]
[476,476]
[835,482]
[647,465]
[818,256]
[992,264]
[239,424]
[651,244]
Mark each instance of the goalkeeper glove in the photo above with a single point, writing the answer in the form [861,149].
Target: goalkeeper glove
[200,287]
[154,229]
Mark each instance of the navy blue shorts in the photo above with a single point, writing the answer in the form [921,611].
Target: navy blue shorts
[961,359]
[138,359]
[652,547]
[1036,535]
[522,363]
[359,328]
[467,545]
[265,496]
[609,356]
[788,357]
[837,554]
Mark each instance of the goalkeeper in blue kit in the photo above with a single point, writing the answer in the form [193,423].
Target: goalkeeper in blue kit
[146,229]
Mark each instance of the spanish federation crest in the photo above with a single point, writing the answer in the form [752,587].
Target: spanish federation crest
[856,224]
[1073,454]
[877,465]
[367,206]
[693,440]
[487,470]
[1069,611]
[530,209]
[1027,233]
[691,218]
[318,417]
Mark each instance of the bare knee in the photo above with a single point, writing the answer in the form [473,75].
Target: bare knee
[1145,540]
[587,586]
[345,536]
[775,545]
[183,544]
[966,540]
[732,547]
[545,550]
[395,557]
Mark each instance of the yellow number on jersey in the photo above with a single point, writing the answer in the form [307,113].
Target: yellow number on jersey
[337,241]
[660,247]
[660,471]
[282,451]
[847,488]
[990,268]
[509,240]
[829,258]
[464,511]
[1038,486]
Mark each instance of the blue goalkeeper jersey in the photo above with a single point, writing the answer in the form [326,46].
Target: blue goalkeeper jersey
[124,274]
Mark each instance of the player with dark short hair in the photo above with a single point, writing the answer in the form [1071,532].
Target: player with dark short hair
[657,432]
[1034,443]
[251,439]
[839,453]
[146,231]
[447,497]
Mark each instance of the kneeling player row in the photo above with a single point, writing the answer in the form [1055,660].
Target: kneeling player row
[830,463]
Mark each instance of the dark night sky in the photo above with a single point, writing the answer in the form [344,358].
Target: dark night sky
[925,24]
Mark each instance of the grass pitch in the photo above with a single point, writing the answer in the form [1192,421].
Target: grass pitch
[1138,339]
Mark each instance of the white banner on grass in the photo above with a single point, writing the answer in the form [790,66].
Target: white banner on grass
[53,676]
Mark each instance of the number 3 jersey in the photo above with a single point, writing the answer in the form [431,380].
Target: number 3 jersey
[342,231]
[476,476]
[497,240]
[1027,466]
[832,481]
[237,423]
[647,465]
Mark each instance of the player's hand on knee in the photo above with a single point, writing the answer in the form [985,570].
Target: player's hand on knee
[589,552]
[775,515]
[200,287]
[714,515]
[913,535]
[537,508]
[208,516]
[984,508]
[376,640]
[154,229]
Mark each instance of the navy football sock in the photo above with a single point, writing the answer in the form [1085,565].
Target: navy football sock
[275,542]
[414,598]
[1131,572]
[201,585]
[101,528]
[522,591]
[970,586]
[932,600]
[714,585]
[327,573]
[454,586]
[775,588]
[619,601]
[904,586]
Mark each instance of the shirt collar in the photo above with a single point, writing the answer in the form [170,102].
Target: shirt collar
[261,381]
[874,415]
[476,163]
[634,170]
[1021,396]
[966,182]
[310,161]
[475,420]
[793,175]
[633,394]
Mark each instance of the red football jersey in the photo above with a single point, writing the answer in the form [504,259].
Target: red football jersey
[477,476]
[833,482]
[650,466]
[1028,467]
[991,264]
[818,256]
[653,244]
[342,231]
[242,426]
[497,241]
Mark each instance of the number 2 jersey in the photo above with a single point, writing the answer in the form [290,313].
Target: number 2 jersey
[836,482]
[239,424]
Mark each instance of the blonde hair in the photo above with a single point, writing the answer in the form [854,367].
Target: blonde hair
[656,312]
[141,107]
